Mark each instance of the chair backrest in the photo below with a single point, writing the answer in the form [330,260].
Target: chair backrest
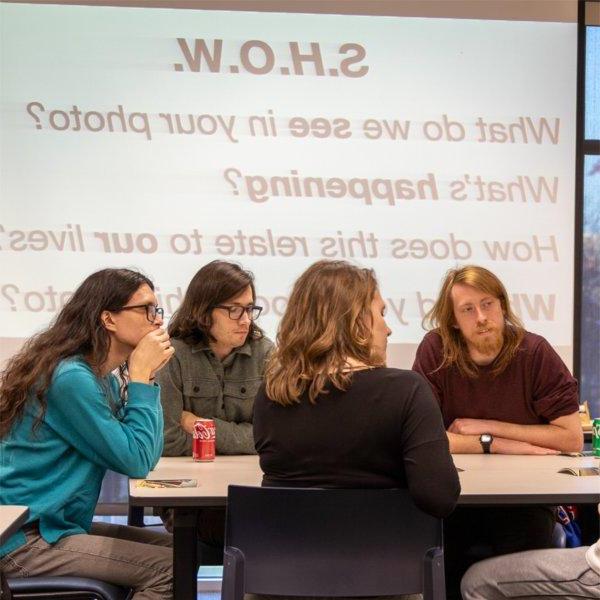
[330,542]
[65,588]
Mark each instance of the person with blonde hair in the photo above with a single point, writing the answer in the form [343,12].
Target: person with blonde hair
[331,414]
[501,389]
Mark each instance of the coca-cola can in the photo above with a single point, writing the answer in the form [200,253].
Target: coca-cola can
[203,442]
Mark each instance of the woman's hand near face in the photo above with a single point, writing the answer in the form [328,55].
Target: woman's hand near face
[152,353]
[164,362]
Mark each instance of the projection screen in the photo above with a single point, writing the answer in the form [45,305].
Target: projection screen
[164,138]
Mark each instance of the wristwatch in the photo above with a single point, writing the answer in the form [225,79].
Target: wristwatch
[486,439]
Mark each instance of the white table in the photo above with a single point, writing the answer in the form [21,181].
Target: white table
[496,479]
[213,479]
[485,480]
[11,519]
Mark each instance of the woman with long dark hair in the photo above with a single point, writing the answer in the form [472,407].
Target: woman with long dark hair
[65,419]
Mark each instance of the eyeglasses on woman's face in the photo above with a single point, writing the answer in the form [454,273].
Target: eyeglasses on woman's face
[236,312]
[153,311]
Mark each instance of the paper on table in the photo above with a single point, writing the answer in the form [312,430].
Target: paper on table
[583,453]
[581,472]
[167,483]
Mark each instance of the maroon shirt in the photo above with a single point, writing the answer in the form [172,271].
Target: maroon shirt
[535,388]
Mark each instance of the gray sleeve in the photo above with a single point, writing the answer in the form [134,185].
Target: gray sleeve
[238,438]
[234,438]
[177,441]
[268,347]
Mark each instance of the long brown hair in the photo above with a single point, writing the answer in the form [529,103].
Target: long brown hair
[213,284]
[326,322]
[77,329]
[441,319]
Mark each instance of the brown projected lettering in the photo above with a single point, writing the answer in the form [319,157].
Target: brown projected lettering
[239,128]
[533,307]
[241,244]
[257,57]
[260,188]
[299,127]
[523,130]
[361,245]
[94,121]
[269,242]
[439,249]
[69,239]
[534,250]
[522,188]
[48,299]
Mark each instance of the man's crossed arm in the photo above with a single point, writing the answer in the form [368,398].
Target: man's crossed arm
[564,434]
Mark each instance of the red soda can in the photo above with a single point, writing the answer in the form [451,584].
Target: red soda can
[203,440]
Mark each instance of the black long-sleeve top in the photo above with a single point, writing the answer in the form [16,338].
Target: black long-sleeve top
[385,431]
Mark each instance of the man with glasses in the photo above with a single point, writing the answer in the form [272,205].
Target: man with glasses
[219,361]
[218,366]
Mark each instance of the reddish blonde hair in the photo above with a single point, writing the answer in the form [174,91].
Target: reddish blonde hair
[441,319]
[326,322]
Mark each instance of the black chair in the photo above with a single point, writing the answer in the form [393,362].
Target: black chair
[317,542]
[65,588]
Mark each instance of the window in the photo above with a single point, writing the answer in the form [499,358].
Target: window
[589,368]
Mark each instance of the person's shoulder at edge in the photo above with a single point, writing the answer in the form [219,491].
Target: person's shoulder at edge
[432,338]
[387,379]
[73,365]
[430,346]
[180,345]
[534,346]
[262,345]
[410,394]
[532,341]
[257,351]
[429,352]
[73,379]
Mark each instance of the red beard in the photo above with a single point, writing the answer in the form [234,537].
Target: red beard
[490,344]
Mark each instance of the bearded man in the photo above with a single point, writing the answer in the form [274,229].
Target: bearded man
[503,390]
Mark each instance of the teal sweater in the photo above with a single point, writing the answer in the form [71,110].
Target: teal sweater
[57,470]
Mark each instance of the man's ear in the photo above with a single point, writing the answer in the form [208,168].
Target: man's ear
[106,318]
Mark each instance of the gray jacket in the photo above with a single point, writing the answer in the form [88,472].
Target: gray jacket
[195,380]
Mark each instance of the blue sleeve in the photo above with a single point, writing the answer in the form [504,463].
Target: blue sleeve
[79,411]
[160,424]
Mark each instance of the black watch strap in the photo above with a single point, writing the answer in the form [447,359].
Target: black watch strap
[486,439]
